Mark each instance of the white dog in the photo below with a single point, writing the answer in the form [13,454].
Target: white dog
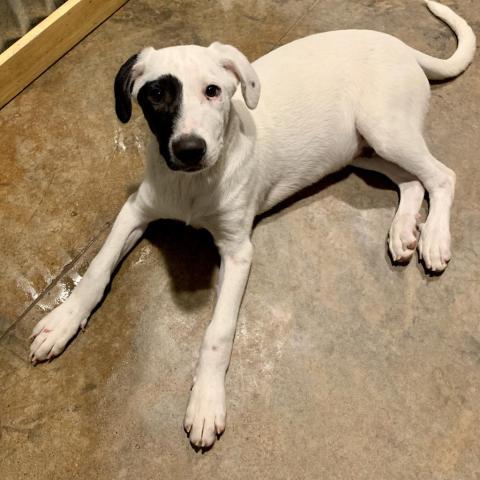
[215,164]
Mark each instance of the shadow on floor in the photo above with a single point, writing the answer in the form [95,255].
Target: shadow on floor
[372,179]
[191,255]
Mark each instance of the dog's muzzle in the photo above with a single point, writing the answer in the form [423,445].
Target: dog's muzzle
[188,152]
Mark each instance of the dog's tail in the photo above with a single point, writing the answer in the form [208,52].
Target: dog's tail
[438,69]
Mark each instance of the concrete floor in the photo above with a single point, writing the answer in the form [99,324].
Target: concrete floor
[344,366]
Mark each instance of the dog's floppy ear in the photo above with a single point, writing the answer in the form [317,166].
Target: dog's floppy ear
[235,61]
[123,89]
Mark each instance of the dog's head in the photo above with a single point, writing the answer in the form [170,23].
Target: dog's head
[185,95]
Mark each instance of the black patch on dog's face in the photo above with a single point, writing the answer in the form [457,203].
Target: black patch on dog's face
[161,100]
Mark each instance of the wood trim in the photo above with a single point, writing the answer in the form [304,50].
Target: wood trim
[42,46]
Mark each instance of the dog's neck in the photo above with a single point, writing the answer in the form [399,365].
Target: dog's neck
[238,142]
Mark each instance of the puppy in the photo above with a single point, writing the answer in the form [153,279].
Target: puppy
[215,163]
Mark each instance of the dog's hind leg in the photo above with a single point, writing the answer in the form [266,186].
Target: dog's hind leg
[404,145]
[54,331]
[404,233]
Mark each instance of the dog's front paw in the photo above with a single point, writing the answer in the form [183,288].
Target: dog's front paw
[205,417]
[53,332]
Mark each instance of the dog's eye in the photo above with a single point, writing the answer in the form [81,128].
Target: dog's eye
[212,91]
[156,95]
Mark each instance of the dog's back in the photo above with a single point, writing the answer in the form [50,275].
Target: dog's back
[324,89]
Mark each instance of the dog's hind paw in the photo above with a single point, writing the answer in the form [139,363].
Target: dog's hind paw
[403,237]
[434,246]
[205,416]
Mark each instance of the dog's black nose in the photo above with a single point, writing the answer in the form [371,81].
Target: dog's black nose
[189,149]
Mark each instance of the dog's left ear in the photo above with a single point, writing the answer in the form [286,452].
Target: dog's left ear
[123,89]
[235,61]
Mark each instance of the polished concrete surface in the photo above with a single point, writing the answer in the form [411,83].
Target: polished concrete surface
[344,366]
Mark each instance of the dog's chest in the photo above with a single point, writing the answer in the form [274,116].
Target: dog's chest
[195,211]
[196,205]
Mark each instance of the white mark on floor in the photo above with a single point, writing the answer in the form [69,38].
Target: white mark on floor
[144,254]
[139,143]
[27,286]
[60,292]
[118,140]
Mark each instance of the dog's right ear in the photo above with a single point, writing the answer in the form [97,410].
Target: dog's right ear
[123,89]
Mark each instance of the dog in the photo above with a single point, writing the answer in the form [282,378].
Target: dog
[217,160]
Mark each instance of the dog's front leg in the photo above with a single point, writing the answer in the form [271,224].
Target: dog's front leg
[205,417]
[54,331]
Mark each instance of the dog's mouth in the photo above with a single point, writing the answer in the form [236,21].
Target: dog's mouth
[178,166]
[184,168]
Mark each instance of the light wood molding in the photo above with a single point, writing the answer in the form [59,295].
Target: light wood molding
[44,44]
